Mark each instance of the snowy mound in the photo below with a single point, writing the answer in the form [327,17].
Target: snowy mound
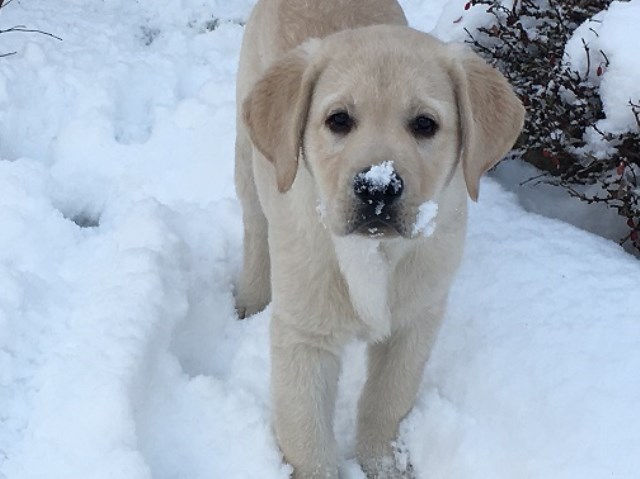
[614,32]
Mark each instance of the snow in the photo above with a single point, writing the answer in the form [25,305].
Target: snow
[120,234]
[614,32]
[425,221]
[554,202]
[378,178]
[555,344]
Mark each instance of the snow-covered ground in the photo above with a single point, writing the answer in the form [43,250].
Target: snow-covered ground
[120,353]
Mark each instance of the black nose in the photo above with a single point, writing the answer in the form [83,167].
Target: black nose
[379,183]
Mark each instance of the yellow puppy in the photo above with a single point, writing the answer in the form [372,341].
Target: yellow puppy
[358,141]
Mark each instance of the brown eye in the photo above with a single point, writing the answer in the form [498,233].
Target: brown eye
[340,122]
[423,126]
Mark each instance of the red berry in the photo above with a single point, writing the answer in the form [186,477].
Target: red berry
[599,71]
[620,168]
[467,5]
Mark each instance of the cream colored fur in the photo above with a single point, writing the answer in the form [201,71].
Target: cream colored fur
[329,284]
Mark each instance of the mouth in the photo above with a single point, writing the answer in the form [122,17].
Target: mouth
[375,222]
[377,229]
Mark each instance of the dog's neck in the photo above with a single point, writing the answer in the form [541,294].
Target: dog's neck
[368,266]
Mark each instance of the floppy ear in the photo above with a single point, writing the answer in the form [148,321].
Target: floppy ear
[491,116]
[275,112]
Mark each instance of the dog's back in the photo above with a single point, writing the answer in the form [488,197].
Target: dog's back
[277,26]
[299,20]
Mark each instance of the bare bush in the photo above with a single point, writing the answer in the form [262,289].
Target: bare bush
[527,43]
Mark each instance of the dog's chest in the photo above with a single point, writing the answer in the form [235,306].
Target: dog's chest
[368,272]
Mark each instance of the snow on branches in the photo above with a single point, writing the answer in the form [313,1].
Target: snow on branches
[562,136]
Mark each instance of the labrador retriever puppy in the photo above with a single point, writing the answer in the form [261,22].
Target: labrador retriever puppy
[358,141]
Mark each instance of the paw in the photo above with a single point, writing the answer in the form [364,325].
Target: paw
[315,475]
[390,473]
[388,467]
[246,307]
[245,310]
[251,297]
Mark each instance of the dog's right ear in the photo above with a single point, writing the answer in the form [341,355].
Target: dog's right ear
[275,112]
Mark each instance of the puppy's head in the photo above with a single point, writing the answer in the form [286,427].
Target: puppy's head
[383,115]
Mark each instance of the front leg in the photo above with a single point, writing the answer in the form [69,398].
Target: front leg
[394,375]
[304,380]
[254,286]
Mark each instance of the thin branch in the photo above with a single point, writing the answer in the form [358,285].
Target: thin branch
[4,3]
[23,29]
[534,178]
[587,51]
[636,112]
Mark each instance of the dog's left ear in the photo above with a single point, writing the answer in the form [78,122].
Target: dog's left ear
[275,111]
[491,116]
